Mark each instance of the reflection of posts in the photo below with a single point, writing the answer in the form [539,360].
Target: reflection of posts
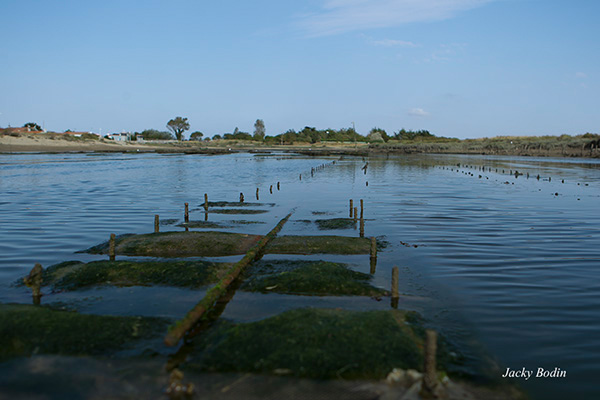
[362,227]
[373,257]
[34,281]
[186,213]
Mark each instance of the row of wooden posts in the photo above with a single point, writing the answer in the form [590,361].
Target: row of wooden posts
[489,169]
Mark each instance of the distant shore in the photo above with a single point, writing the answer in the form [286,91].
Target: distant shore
[509,146]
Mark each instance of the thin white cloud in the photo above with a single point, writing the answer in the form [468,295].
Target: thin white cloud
[581,75]
[393,43]
[418,112]
[338,16]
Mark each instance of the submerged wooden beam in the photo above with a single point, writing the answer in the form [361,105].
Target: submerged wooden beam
[179,329]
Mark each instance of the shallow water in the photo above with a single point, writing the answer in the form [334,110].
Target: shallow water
[501,257]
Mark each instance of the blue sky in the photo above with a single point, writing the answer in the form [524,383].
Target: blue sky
[459,68]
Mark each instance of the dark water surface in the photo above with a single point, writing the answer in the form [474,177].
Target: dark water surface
[514,262]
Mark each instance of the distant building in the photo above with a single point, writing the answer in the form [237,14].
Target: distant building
[120,137]
[9,130]
[76,134]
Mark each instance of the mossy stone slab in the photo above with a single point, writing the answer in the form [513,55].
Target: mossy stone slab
[202,225]
[27,330]
[73,275]
[336,223]
[181,244]
[311,278]
[215,244]
[318,245]
[241,211]
[314,343]
[235,204]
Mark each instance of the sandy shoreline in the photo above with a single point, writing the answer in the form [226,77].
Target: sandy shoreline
[538,148]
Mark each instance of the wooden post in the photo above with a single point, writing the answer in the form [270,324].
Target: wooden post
[256,193]
[241,197]
[300,176]
[186,213]
[111,247]
[34,281]
[355,214]
[271,189]
[361,208]
[351,207]
[206,201]
[395,275]
[431,386]
[362,227]
[156,224]
[373,263]
[277,185]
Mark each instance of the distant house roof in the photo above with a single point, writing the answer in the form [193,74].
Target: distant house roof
[19,130]
[74,133]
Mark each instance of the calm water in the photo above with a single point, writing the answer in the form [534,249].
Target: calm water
[505,260]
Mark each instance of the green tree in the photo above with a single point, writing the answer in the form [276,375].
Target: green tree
[178,125]
[216,137]
[196,135]
[153,134]
[382,132]
[32,126]
[259,130]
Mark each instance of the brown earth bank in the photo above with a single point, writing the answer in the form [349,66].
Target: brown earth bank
[546,146]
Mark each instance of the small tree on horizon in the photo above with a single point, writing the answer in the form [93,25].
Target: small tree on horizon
[178,125]
[259,130]
[196,135]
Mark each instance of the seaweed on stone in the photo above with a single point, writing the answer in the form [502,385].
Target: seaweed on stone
[202,225]
[336,223]
[234,204]
[318,278]
[27,330]
[313,343]
[74,275]
[319,245]
[235,211]
[181,244]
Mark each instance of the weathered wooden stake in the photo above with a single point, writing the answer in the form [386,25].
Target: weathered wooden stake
[111,247]
[186,213]
[206,201]
[241,197]
[362,227]
[351,207]
[361,208]
[300,176]
[277,185]
[395,275]
[271,189]
[355,214]
[34,281]
[431,386]
[256,193]
[156,224]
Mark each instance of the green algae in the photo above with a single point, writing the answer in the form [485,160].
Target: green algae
[202,224]
[73,275]
[336,223]
[26,330]
[234,204]
[181,244]
[235,211]
[313,343]
[319,245]
[169,221]
[317,278]
[216,244]
[244,222]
